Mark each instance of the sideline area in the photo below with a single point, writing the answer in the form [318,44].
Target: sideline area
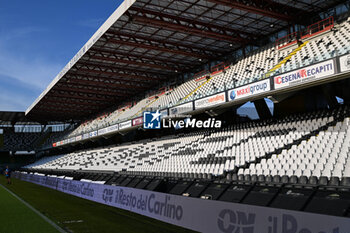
[16,216]
[71,213]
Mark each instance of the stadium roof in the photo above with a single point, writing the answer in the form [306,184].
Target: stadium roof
[11,118]
[145,42]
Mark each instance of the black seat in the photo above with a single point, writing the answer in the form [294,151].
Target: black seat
[345,181]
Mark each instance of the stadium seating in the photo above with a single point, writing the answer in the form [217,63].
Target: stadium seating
[323,47]
[258,64]
[245,70]
[20,141]
[303,145]
[322,155]
[174,96]
[255,66]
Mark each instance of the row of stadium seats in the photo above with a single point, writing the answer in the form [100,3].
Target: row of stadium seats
[323,197]
[321,48]
[262,61]
[174,96]
[253,66]
[15,141]
[309,145]
[325,154]
[246,70]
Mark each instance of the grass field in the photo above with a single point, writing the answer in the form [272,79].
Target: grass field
[17,217]
[71,213]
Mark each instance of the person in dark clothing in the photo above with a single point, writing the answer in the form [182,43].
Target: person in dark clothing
[8,174]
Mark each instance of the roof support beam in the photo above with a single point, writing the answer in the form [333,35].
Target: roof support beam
[208,26]
[188,29]
[88,91]
[105,85]
[157,48]
[45,114]
[114,52]
[115,76]
[55,107]
[130,62]
[112,67]
[65,94]
[262,7]
[70,102]
[152,40]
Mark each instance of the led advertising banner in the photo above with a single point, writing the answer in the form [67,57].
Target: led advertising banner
[201,215]
[210,101]
[306,74]
[344,63]
[137,121]
[183,108]
[125,125]
[249,90]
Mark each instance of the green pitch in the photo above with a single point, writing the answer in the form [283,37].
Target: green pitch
[71,213]
[17,217]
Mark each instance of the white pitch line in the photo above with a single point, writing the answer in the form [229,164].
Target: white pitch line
[35,211]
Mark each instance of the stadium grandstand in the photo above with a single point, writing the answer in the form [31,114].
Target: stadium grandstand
[212,115]
[18,133]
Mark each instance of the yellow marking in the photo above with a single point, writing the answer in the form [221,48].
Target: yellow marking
[286,58]
[142,109]
[192,92]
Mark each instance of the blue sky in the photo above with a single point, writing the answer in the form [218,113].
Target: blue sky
[38,38]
